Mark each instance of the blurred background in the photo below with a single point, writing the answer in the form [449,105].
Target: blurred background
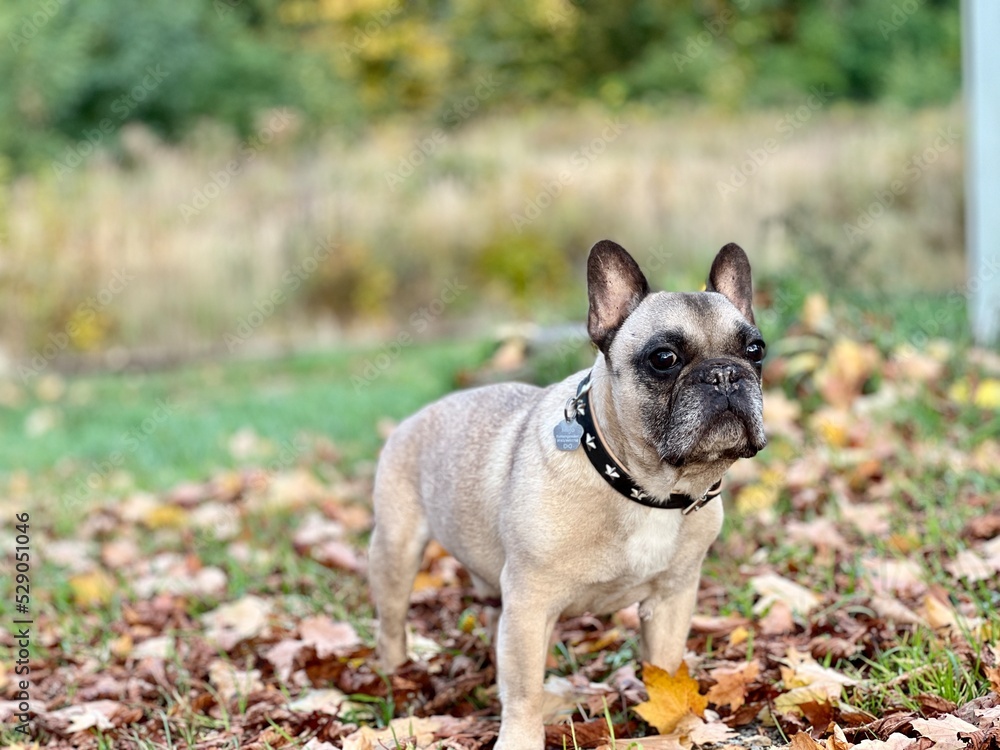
[322,187]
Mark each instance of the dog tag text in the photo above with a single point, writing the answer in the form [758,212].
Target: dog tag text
[568,435]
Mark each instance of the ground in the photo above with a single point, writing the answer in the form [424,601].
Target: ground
[195,558]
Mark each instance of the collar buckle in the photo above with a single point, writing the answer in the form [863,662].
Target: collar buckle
[697,505]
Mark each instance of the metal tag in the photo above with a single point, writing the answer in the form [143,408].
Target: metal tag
[568,435]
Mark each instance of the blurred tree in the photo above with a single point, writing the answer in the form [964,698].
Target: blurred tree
[74,72]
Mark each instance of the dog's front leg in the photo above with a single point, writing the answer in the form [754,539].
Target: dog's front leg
[523,635]
[665,621]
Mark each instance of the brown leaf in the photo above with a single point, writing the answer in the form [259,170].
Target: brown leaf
[932,705]
[778,620]
[772,588]
[231,682]
[89,715]
[944,731]
[577,734]
[894,741]
[283,656]
[803,741]
[970,565]
[421,730]
[328,637]
[236,621]
[731,683]
[336,554]
[716,627]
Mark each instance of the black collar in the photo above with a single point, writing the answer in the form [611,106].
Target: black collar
[612,471]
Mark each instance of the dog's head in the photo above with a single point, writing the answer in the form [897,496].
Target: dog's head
[685,368]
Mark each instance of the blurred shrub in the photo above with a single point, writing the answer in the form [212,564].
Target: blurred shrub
[523,268]
[75,72]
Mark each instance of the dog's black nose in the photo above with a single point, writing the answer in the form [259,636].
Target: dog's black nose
[722,375]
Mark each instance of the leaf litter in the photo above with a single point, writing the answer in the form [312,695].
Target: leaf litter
[859,533]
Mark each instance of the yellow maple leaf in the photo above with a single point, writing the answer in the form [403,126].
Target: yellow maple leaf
[671,697]
[988,394]
[93,589]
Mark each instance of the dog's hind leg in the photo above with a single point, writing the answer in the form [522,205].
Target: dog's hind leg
[397,547]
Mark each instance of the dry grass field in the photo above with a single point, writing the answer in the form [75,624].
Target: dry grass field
[175,247]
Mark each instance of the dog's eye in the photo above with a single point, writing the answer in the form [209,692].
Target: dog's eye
[662,360]
[755,351]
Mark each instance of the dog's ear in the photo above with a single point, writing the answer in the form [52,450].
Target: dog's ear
[730,277]
[615,287]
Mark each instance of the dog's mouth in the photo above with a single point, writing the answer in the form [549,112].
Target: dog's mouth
[732,432]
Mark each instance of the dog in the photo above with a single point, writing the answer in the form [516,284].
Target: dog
[589,495]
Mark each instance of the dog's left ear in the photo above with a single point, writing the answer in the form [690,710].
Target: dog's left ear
[730,277]
[615,287]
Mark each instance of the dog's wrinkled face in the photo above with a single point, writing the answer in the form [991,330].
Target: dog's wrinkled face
[689,365]
[685,367]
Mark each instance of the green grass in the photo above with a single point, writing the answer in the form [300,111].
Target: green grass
[173,426]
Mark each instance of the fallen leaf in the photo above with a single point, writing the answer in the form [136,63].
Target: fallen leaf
[781,415]
[848,366]
[283,655]
[293,489]
[988,394]
[731,683]
[103,714]
[760,497]
[336,554]
[778,620]
[820,533]
[803,741]
[800,669]
[237,621]
[671,697]
[327,701]
[562,695]
[166,517]
[970,565]
[395,735]
[706,625]
[653,742]
[231,682]
[894,611]
[707,732]
[894,741]
[328,637]
[895,577]
[772,587]
[944,731]
[868,518]
[93,589]
[792,700]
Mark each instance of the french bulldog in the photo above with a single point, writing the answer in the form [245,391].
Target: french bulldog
[588,495]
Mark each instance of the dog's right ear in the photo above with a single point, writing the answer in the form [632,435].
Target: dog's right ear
[615,287]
